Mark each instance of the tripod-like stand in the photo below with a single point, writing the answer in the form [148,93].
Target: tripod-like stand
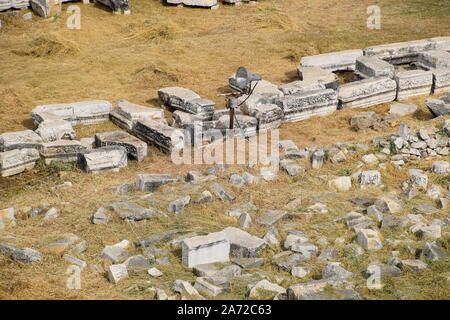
[241,83]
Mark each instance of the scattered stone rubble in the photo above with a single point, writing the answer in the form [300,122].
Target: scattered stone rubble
[223,258]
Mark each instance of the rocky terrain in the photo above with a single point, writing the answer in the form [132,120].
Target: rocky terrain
[92,205]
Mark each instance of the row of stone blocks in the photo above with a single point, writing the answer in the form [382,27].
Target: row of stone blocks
[54,139]
[393,53]
[20,150]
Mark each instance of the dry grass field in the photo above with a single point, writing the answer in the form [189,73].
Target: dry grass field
[114,57]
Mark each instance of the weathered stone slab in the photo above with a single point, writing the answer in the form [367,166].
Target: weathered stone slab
[269,218]
[441,80]
[117,272]
[186,100]
[329,79]
[413,83]
[369,239]
[302,86]
[24,255]
[84,112]
[363,120]
[244,125]
[19,140]
[401,52]
[16,161]
[367,92]
[103,159]
[243,244]
[202,108]
[194,3]
[151,182]
[269,116]
[262,88]
[333,61]
[61,150]
[221,193]
[440,167]
[134,147]
[222,112]
[369,67]
[434,59]
[441,43]
[371,177]
[190,123]
[206,288]
[439,107]
[132,211]
[177,206]
[301,106]
[291,167]
[343,183]
[400,109]
[324,289]
[58,129]
[126,114]
[16,4]
[159,134]
[211,248]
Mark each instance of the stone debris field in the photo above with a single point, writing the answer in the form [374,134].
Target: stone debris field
[332,218]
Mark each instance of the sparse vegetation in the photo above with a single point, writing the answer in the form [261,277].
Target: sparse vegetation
[130,57]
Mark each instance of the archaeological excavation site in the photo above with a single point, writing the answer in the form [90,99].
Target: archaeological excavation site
[225,150]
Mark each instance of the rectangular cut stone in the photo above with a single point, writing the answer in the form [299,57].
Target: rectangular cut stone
[328,78]
[367,67]
[16,4]
[192,125]
[302,86]
[441,43]
[441,80]
[269,116]
[126,114]
[195,3]
[84,112]
[151,182]
[40,116]
[135,147]
[434,59]
[401,52]
[52,130]
[159,134]
[367,92]
[103,159]
[413,83]
[202,108]
[298,107]
[61,150]
[18,160]
[333,61]
[211,248]
[243,125]
[243,244]
[20,140]
[187,100]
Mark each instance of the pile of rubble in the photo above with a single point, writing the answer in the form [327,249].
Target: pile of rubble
[231,255]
